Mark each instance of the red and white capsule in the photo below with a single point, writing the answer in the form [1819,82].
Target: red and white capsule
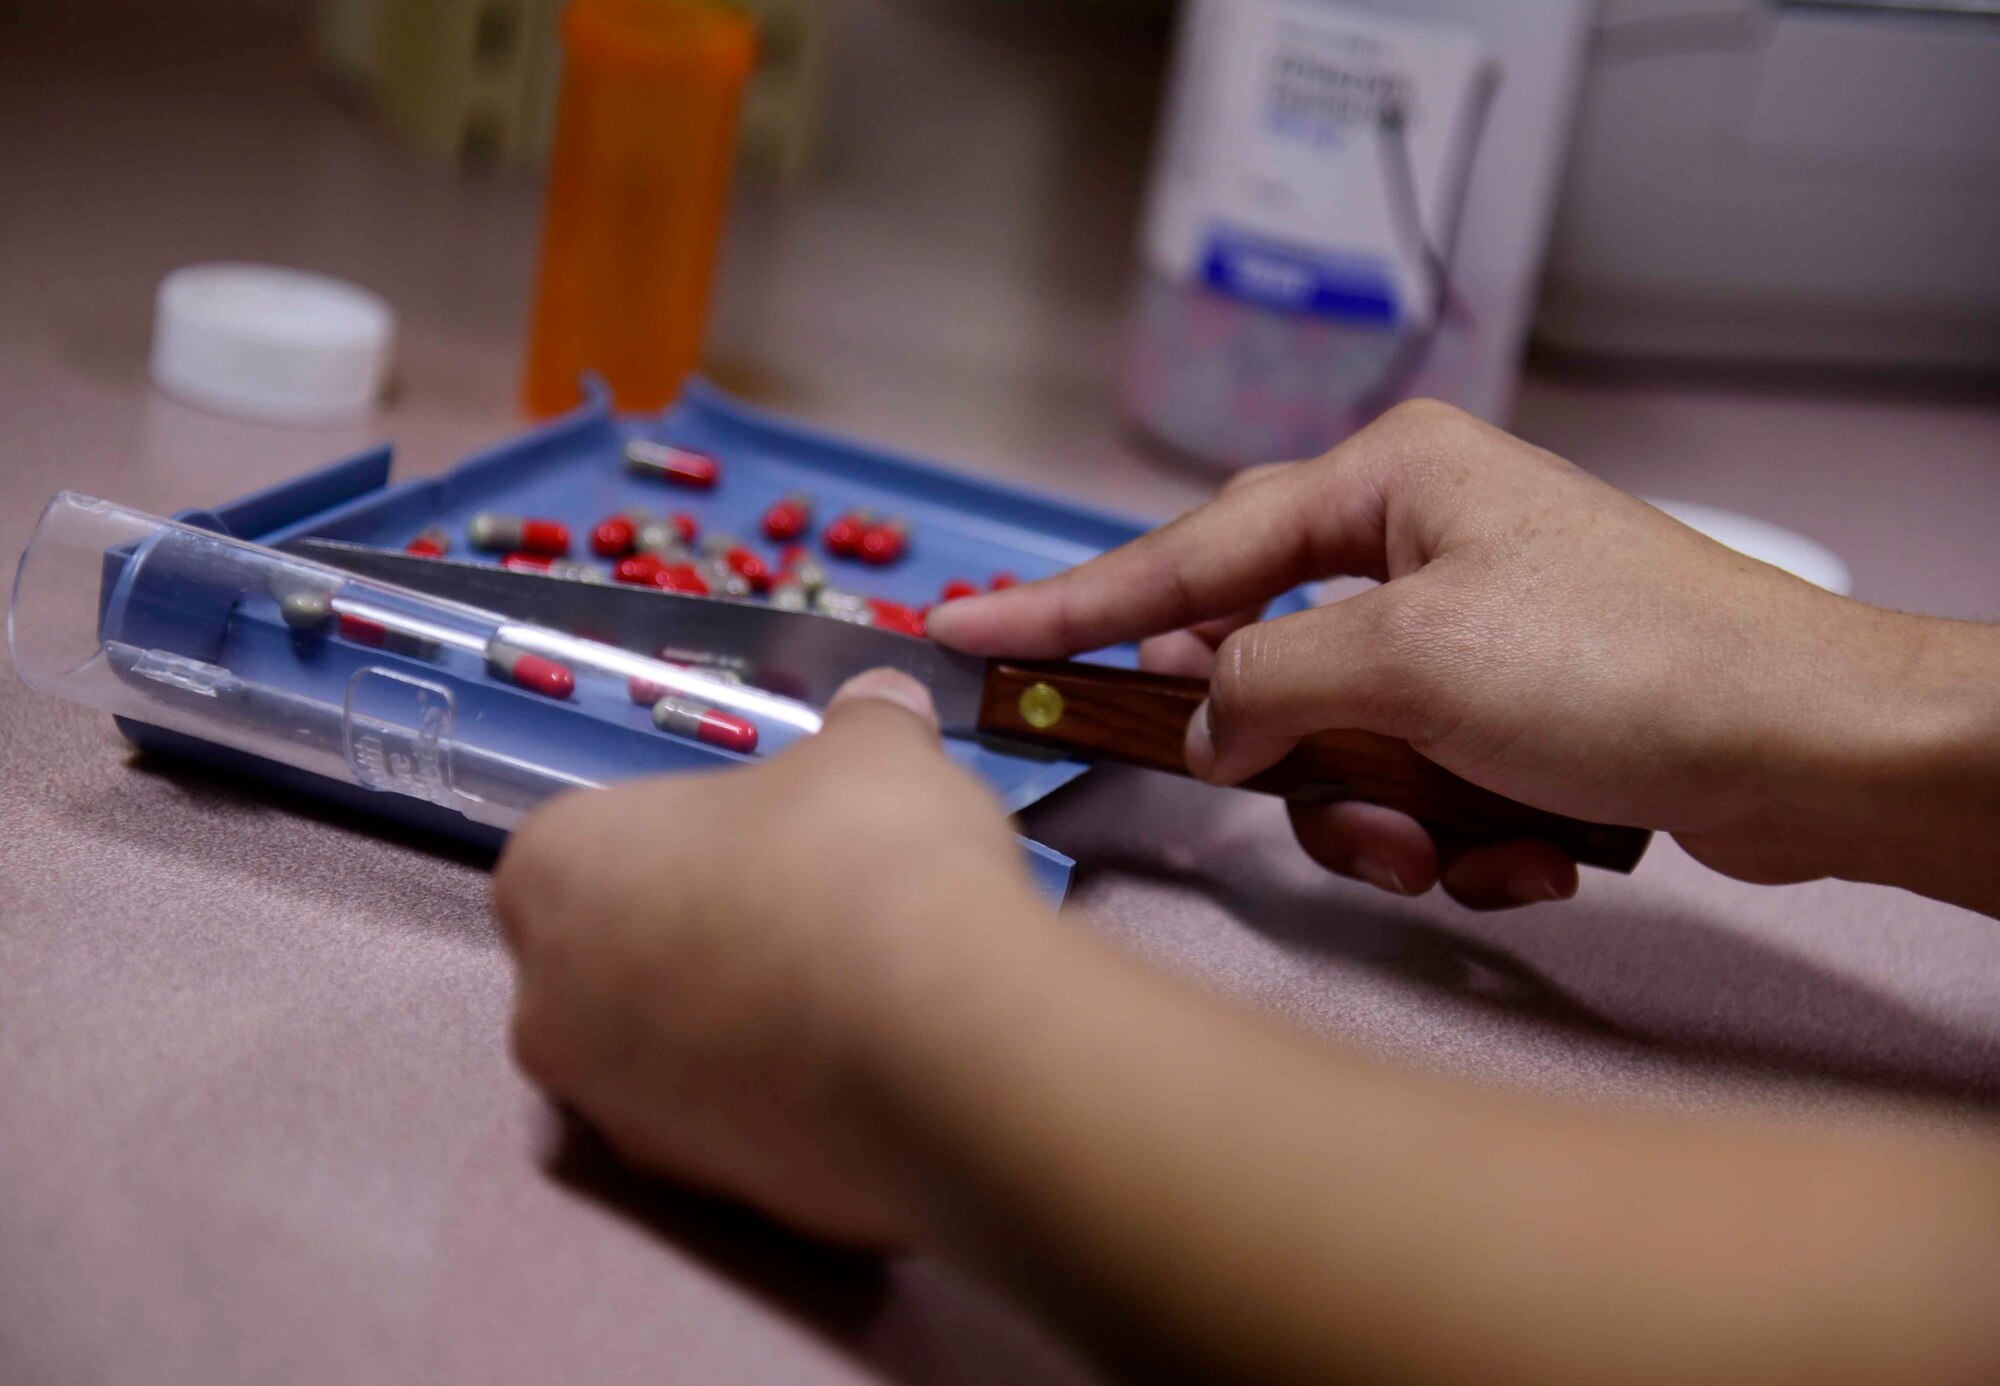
[381,635]
[432,543]
[797,565]
[724,579]
[729,554]
[669,463]
[843,537]
[684,716]
[747,565]
[614,535]
[788,518]
[536,673]
[554,567]
[496,533]
[884,543]
[904,620]
[638,568]
[663,537]
[646,692]
[681,577]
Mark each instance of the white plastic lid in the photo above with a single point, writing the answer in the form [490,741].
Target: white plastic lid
[1760,539]
[277,345]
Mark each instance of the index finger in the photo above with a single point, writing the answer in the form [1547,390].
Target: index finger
[1295,524]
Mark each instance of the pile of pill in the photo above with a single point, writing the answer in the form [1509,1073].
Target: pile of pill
[671,552]
[874,539]
[313,611]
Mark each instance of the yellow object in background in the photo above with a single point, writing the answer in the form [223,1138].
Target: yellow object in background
[638,182]
[477,79]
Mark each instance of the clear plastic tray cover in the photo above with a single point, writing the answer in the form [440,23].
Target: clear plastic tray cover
[154,620]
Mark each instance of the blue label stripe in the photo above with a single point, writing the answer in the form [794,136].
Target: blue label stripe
[1290,279]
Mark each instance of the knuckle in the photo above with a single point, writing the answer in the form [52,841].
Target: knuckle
[1241,665]
[1423,417]
[1251,476]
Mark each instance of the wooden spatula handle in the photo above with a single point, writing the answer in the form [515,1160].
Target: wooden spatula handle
[1141,719]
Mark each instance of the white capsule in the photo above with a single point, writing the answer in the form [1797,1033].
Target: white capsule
[809,574]
[662,538]
[843,606]
[305,609]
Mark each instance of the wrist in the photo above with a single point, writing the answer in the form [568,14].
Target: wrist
[952,960]
[1935,827]
[1902,786]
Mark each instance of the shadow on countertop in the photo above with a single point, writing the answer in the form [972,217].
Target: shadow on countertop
[1623,970]
[910,1319]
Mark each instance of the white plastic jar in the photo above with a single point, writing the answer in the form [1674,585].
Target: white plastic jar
[1310,169]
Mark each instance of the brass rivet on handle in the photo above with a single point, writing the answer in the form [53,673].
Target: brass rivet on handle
[1041,706]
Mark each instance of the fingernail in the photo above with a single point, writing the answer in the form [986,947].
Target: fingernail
[1200,751]
[1381,875]
[891,686]
[1532,887]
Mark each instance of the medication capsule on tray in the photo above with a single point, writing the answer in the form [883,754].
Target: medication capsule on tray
[725,579]
[670,463]
[554,567]
[663,536]
[432,543]
[956,588]
[680,577]
[843,606]
[843,536]
[797,565]
[645,692]
[534,672]
[728,554]
[904,620]
[615,535]
[363,630]
[685,716]
[640,568]
[884,543]
[1000,582]
[749,567]
[517,533]
[305,610]
[788,518]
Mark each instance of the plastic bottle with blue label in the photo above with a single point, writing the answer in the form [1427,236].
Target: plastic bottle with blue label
[1296,242]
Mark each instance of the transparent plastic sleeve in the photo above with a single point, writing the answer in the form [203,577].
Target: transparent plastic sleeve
[352,679]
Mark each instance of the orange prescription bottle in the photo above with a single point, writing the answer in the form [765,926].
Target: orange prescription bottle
[638,177]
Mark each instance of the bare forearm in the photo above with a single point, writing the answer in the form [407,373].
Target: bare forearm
[1898,782]
[1185,1187]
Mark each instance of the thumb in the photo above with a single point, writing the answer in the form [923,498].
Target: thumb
[1335,666]
[882,703]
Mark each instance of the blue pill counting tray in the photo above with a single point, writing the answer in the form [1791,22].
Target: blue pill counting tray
[194,654]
